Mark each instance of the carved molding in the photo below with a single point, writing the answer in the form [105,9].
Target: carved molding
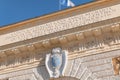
[61,25]
[83,43]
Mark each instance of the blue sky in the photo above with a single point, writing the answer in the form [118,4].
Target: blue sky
[12,11]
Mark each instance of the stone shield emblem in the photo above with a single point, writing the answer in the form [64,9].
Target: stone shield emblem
[56,62]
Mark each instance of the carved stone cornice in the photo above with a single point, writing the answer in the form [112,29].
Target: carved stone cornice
[57,14]
[61,25]
[77,36]
[82,43]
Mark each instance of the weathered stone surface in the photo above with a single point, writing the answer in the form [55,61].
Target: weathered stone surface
[17,73]
[95,66]
[90,51]
[62,24]
[75,67]
[24,77]
[69,67]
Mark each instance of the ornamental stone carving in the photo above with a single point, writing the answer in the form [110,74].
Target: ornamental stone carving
[56,62]
[116,65]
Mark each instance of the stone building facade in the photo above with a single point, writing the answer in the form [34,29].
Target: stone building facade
[90,33]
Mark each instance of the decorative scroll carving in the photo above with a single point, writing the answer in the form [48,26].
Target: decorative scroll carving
[116,65]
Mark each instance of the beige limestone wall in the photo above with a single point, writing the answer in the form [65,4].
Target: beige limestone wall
[93,67]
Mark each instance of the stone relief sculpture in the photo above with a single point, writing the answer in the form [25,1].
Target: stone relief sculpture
[56,62]
[116,65]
